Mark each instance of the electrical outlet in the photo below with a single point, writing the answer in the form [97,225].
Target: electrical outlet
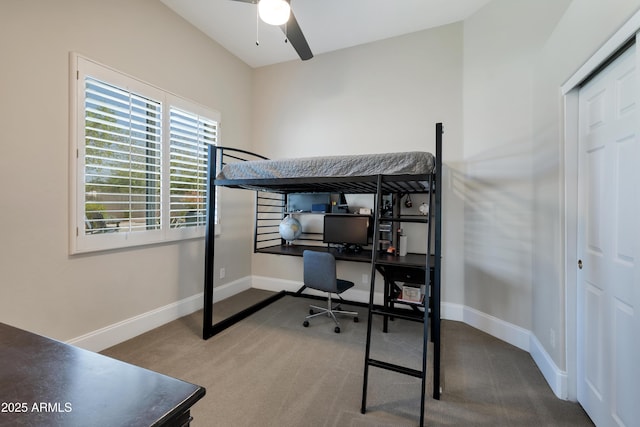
[223,272]
[365,279]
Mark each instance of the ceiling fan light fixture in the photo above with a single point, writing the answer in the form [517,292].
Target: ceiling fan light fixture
[274,12]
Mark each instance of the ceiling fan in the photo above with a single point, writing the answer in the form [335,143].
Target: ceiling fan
[285,19]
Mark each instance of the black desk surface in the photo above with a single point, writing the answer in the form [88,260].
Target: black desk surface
[44,382]
[410,260]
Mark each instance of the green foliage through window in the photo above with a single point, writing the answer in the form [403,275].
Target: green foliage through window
[141,164]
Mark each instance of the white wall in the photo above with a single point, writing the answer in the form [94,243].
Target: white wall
[477,77]
[518,53]
[501,42]
[584,27]
[380,97]
[503,155]
[494,81]
[42,288]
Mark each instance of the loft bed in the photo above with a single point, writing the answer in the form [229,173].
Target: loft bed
[274,180]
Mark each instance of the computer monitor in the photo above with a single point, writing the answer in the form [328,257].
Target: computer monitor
[346,229]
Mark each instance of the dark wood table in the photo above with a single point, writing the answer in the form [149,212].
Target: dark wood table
[44,382]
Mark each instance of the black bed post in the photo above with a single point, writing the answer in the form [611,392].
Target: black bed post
[210,235]
[435,315]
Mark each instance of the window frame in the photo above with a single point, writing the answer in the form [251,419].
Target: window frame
[82,242]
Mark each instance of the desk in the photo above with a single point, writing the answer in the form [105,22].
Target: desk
[297,250]
[411,268]
[410,260]
[393,268]
[46,382]
[405,273]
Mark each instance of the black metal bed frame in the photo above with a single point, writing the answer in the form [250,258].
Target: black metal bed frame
[374,184]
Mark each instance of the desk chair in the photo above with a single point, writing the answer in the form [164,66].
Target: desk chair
[320,274]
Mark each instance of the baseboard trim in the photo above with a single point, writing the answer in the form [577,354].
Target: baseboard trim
[557,379]
[508,332]
[516,336]
[116,333]
[277,285]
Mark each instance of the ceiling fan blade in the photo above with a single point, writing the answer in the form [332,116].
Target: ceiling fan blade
[294,34]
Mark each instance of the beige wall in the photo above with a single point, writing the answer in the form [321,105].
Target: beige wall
[517,56]
[503,150]
[493,80]
[583,28]
[42,288]
[380,97]
[502,41]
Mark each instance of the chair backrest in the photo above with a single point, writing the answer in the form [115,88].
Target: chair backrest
[320,271]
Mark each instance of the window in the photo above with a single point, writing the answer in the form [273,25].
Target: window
[139,161]
[190,135]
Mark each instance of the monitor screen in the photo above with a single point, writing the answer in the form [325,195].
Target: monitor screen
[346,229]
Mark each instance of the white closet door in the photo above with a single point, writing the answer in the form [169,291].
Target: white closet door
[608,245]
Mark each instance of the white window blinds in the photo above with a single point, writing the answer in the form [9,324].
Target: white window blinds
[123,133]
[190,135]
[139,161]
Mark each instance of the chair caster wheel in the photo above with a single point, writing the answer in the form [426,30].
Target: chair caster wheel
[311,311]
[305,324]
[337,330]
[356,320]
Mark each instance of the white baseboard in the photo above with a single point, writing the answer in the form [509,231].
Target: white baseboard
[508,332]
[119,332]
[227,290]
[277,285]
[450,311]
[274,285]
[514,335]
[556,378]
[114,334]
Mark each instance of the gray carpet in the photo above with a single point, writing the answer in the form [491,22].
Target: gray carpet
[268,370]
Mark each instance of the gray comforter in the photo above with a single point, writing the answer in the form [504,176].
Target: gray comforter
[409,163]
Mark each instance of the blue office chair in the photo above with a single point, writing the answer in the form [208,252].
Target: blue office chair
[320,274]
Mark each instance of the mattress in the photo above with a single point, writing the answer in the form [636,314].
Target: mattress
[405,163]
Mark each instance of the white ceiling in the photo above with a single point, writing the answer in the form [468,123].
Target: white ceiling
[328,25]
